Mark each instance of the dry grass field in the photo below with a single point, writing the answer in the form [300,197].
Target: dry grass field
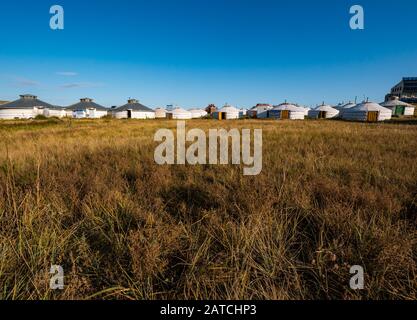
[88,195]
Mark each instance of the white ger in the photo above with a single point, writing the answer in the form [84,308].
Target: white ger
[367,111]
[87,108]
[133,110]
[399,108]
[198,113]
[179,114]
[287,111]
[227,113]
[323,111]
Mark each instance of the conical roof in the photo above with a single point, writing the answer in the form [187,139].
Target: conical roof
[326,108]
[26,101]
[229,109]
[368,106]
[134,105]
[288,106]
[86,103]
[179,110]
[395,102]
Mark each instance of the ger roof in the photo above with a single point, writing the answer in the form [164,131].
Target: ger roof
[87,103]
[179,110]
[133,105]
[288,106]
[26,101]
[228,108]
[395,103]
[325,107]
[368,106]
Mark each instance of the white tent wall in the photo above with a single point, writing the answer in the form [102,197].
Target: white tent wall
[294,115]
[95,114]
[197,113]
[69,113]
[55,113]
[79,114]
[363,116]
[179,114]
[328,111]
[160,113]
[409,111]
[142,115]
[294,112]
[231,113]
[361,112]
[383,116]
[10,114]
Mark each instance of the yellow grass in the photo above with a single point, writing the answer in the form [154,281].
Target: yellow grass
[87,195]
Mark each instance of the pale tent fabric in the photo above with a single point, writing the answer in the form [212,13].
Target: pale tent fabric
[160,113]
[55,112]
[198,113]
[295,112]
[326,111]
[306,109]
[361,112]
[180,114]
[343,107]
[229,112]
[395,103]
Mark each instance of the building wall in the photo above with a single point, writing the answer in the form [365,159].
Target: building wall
[10,114]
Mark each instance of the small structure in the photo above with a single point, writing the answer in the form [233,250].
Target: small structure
[260,111]
[160,113]
[133,110]
[227,113]
[211,109]
[367,111]
[323,112]
[287,111]
[86,108]
[179,114]
[398,107]
[243,113]
[342,107]
[198,113]
[306,109]
[27,107]
[55,111]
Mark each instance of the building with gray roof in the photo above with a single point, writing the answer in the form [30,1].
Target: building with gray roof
[87,108]
[28,107]
[133,110]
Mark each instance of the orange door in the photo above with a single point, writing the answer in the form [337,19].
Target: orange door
[372,116]
[285,114]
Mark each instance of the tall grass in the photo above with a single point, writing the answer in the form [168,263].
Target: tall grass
[87,195]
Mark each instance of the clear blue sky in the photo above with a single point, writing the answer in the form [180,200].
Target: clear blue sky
[195,52]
